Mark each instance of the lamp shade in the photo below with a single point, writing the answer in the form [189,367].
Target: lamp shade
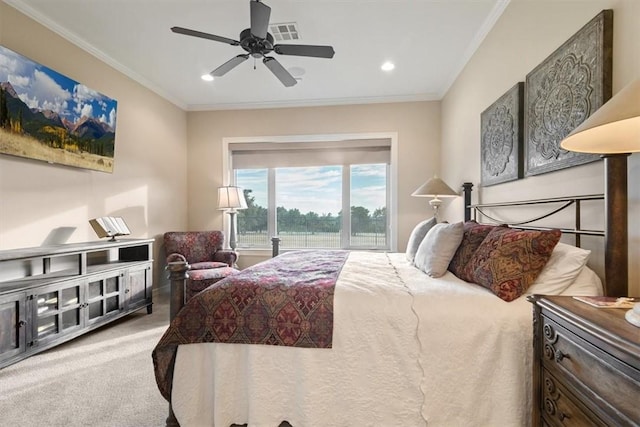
[613,129]
[435,187]
[231,197]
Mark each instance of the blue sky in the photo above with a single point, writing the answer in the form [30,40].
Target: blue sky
[319,189]
[45,89]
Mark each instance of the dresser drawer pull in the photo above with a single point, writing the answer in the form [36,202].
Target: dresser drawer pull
[550,407]
[560,355]
[552,410]
[549,332]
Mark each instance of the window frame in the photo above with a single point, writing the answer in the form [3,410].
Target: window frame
[392,175]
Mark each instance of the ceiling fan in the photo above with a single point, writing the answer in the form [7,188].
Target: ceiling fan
[259,43]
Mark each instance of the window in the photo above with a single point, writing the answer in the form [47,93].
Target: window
[300,193]
[369,206]
[309,205]
[253,225]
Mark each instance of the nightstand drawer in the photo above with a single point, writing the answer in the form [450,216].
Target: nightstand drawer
[592,374]
[560,408]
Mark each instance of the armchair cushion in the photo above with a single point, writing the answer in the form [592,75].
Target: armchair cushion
[207,265]
[211,273]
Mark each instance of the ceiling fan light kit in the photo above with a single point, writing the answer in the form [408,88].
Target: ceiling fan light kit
[258,43]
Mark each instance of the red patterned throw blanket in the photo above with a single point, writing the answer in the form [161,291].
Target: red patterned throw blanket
[287,300]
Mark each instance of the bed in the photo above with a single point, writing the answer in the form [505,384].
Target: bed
[404,348]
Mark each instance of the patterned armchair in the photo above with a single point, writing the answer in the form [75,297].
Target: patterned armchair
[208,262]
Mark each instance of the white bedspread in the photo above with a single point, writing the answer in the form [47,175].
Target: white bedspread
[408,350]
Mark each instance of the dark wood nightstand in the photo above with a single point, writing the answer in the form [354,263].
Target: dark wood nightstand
[586,368]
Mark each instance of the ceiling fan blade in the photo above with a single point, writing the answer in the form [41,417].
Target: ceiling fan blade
[304,50]
[280,72]
[260,14]
[194,33]
[229,65]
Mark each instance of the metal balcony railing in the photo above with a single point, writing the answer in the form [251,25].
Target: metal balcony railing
[315,233]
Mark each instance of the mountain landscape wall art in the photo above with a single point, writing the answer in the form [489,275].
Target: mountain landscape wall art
[47,116]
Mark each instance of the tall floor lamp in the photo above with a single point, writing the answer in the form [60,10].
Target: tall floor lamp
[613,131]
[230,199]
[435,188]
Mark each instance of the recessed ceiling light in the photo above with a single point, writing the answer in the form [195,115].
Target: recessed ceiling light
[388,66]
[207,77]
[296,71]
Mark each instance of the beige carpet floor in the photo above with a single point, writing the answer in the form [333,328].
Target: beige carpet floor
[101,379]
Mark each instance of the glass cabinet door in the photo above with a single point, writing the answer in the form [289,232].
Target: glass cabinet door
[47,305]
[58,311]
[104,295]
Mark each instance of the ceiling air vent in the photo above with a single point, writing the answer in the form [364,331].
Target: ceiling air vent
[285,31]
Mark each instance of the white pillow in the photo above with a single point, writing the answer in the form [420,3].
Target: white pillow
[564,265]
[586,284]
[438,248]
[417,235]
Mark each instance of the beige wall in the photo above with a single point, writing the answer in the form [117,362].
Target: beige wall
[42,202]
[416,123]
[527,32]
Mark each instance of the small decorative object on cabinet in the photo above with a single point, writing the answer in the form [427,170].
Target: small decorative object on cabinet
[51,294]
[110,226]
[586,368]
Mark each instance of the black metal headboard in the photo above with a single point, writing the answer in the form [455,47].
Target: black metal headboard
[616,257]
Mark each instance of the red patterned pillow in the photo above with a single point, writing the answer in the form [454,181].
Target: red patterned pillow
[508,261]
[474,234]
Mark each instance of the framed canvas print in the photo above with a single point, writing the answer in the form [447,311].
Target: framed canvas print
[565,89]
[501,138]
[47,116]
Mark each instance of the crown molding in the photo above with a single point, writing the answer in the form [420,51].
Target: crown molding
[496,12]
[79,42]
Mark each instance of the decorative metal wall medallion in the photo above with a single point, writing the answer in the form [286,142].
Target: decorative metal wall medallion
[501,138]
[565,89]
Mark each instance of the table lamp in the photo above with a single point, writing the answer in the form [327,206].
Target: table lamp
[435,188]
[613,129]
[230,199]
[614,132]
